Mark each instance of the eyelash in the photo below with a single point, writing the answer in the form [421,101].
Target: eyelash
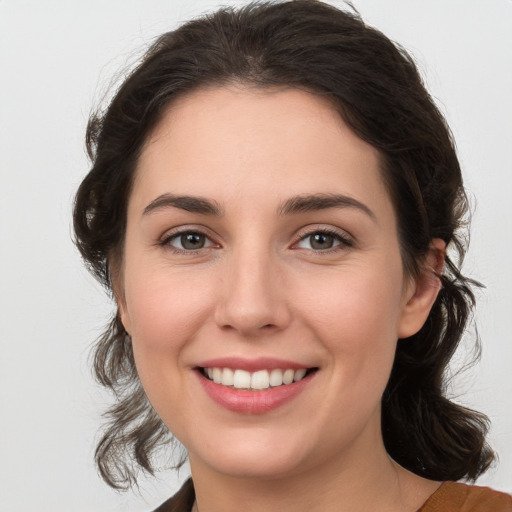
[344,241]
[166,242]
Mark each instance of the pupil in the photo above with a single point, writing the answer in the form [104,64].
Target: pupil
[321,241]
[192,241]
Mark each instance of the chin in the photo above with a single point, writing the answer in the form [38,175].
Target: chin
[245,457]
[262,468]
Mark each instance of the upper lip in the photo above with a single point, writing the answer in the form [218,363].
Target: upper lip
[252,365]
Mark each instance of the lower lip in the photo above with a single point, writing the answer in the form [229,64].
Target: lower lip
[245,401]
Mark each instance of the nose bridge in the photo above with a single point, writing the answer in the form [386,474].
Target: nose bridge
[253,300]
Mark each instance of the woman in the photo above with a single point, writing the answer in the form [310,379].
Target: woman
[274,202]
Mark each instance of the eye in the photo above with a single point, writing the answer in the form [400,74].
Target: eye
[189,241]
[323,240]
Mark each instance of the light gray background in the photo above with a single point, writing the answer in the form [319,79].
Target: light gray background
[56,60]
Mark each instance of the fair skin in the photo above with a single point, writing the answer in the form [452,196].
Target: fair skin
[232,252]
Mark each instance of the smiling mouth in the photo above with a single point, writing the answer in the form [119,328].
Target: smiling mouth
[260,380]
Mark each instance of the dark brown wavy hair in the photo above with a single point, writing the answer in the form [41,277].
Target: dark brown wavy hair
[375,86]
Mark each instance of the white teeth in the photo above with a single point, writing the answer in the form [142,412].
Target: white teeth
[276,377]
[242,379]
[288,376]
[262,379]
[299,374]
[217,375]
[227,377]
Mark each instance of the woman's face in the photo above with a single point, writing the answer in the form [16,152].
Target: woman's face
[261,244]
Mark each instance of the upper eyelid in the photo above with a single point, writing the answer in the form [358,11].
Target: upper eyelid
[302,233]
[332,230]
[180,230]
[170,235]
[346,241]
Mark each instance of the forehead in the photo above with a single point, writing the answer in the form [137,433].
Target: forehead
[233,140]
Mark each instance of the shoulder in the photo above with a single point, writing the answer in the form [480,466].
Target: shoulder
[458,497]
[182,501]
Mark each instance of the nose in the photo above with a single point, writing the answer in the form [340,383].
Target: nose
[253,296]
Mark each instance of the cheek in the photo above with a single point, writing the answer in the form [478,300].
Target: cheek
[356,316]
[167,311]
[165,308]
[354,301]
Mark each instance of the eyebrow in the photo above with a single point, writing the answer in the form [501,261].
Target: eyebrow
[315,202]
[188,203]
[297,204]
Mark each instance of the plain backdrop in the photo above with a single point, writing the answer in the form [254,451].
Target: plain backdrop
[57,59]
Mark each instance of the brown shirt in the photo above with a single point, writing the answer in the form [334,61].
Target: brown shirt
[456,497]
[450,497]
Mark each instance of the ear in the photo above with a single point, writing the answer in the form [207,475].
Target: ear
[116,279]
[421,291]
[123,315]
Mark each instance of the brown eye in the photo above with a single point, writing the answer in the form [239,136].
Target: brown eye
[324,240]
[321,241]
[190,241]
